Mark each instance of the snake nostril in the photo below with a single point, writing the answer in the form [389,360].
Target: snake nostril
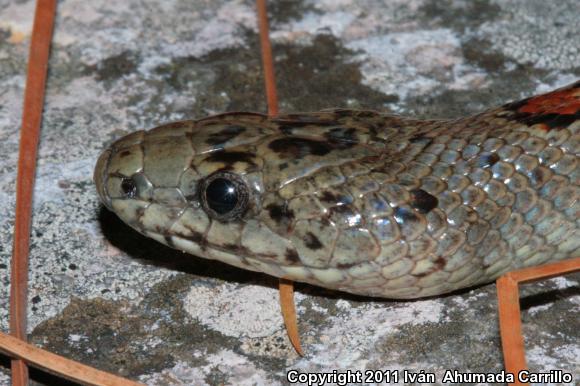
[129,187]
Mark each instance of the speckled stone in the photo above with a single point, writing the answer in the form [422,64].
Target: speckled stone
[106,295]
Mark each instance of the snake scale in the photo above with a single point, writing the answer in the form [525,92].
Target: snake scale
[360,201]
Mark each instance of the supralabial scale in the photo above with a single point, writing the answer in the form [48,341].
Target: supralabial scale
[360,201]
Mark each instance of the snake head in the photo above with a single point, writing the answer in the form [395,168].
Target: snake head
[290,196]
[193,185]
[239,188]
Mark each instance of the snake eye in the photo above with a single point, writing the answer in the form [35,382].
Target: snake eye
[129,187]
[224,196]
[221,195]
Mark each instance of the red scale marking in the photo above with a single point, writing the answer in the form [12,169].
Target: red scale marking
[554,110]
[565,101]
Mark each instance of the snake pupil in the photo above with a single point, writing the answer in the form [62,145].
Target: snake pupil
[221,195]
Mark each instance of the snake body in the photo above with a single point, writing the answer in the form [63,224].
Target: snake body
[359,201]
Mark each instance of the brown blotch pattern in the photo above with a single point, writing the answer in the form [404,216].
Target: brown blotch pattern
[227,134]
[343,137]
[423,201]
[299,147]
[231,157]
[312,241]
[280,213]
[292,256]
[488,160]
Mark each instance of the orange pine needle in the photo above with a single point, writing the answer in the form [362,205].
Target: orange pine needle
[29,135]
[546,271]
[286,288]
[58,365]
[510,324]
[267,59]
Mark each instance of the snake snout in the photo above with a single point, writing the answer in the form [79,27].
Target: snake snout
[100,177]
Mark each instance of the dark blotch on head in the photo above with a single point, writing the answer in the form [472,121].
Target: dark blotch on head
[488,160]
[423,201]
[336,199]
[345,265]
[225,135]
[343,137]
[312,242]
[279,213]
[328,197]
[300,147]
[285,129]
[231,157]
[124,153]
[140,213]
[292,256]
[342,209]
[239,249]
[192,196]
[195,236]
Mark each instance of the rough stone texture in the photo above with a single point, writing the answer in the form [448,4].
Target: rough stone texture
[103,294]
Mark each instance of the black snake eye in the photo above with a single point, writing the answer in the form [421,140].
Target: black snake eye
[221,195]
[224,196]
[128,187]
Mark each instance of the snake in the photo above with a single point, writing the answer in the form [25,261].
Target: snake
[359,201]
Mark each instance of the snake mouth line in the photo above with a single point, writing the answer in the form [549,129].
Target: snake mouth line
[207,250]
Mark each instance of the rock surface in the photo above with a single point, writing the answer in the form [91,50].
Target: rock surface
[102,294]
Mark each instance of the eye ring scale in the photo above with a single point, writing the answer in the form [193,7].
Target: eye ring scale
[224,196]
